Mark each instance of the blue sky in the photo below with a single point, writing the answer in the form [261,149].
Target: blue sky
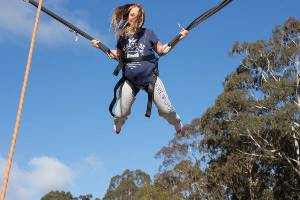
[66,140]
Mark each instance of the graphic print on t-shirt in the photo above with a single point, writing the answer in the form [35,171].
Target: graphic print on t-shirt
[134,49]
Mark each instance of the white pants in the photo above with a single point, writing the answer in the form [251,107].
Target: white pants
[160,98]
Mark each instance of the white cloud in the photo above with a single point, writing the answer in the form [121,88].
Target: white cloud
[49,173]
[17,20]
[44,174]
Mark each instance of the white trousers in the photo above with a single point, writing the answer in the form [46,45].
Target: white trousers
[160,99]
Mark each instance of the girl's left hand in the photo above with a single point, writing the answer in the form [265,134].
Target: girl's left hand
[112,54]
[183,33]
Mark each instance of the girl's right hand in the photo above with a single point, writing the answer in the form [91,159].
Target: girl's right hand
[112,54]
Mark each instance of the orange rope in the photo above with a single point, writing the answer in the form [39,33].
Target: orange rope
[18,119]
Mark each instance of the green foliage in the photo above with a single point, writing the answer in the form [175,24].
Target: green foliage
[127,185]
[56,195]
[61,195]
[248,141]
[84,197]
[182,182]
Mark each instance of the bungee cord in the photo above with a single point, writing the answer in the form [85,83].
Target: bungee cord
[72,27]
[200,19]
[20,107]
[105,49]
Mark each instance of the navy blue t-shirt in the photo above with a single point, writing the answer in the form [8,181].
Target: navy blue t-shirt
[139,44]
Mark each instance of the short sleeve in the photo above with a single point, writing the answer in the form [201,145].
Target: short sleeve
[152,37]
[119,44]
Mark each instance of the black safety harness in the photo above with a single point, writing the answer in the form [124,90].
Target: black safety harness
[149,88]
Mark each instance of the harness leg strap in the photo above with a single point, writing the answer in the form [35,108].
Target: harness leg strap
[114,100]
[150,91]
[118,68]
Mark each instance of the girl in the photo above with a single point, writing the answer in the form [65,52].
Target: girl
[135,47]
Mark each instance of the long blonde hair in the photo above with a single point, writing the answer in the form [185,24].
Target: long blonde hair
[119,19]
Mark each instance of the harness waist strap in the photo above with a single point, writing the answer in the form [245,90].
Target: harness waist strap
[123,61]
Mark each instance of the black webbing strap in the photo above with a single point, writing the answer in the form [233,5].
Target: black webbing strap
[114,100]
[150,91]
[72,27]
[207,14]
[200,19]
[123,61]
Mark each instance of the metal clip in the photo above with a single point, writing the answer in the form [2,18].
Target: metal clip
[76,34]
[76,37]
[179,26]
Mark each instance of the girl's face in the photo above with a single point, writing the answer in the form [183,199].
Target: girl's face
[133,13]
